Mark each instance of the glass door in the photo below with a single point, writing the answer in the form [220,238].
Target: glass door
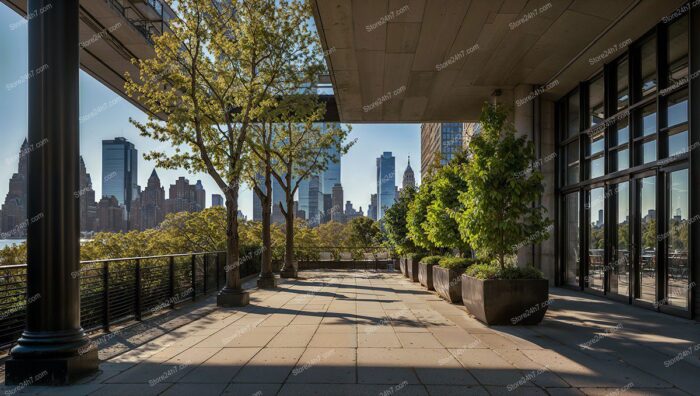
[571,243]
[677,240]
[620,242]
[646,239]
[595,238]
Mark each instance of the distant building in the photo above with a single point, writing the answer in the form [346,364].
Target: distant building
[350,213]
[409,179]
[279,197]
[372,209]
[88,205]
[200,196]
[315,201]
[148,210]
[184,197]
[440,140]
[13,213]
[386,183]
[241,216]
[111,215]
[120,171]
[337,213]
[217,200]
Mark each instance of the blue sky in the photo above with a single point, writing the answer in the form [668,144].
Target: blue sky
[358,166]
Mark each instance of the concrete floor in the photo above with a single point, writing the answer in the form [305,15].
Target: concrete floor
[370,333]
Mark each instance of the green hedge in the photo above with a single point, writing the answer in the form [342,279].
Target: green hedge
[416,256]
[431,260]
[458,264]
[491,271]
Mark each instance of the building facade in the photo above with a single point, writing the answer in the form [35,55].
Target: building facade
[120,171]
[439,143]
[149,209]
[386,183]
[217,200]
[409,178]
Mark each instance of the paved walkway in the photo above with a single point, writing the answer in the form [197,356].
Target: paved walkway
[369,333]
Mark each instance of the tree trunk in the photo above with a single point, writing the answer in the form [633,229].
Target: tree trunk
[232,295]
[267,278]
[233,275]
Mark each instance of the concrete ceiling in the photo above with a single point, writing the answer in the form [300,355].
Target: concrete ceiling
[439,60]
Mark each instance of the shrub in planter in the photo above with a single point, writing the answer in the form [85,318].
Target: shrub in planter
[505,296]
[404,271]
[500,217]
[447,277]
[425,270]
[412,261]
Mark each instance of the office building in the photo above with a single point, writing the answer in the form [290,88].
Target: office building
[386,183]
[217,200]
[337,203]
[185,197]
[149,209]
[409,179]
[439,143]
[120,171]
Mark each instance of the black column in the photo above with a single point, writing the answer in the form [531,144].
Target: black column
[52,349]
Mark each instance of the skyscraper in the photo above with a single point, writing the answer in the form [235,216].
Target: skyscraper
[14,210]
[88,205]
[337,203]
[440,140]
[331,176]
[278,197]
[217,200]
[257,203]
[148,210]
[200,196]
[409,179]
[183,197]
[386,183]
[120,171]
[372,209]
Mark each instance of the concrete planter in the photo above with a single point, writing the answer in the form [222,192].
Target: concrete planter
[448,284]
[412,269]
[425,275]
[397,264]
[506,302]
[404,271]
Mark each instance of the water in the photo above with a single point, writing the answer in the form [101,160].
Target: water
[10,242]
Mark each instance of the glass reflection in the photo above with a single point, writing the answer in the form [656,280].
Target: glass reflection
[678,51]
[647,252]
[620,266]
[596,238]
[678,240]
[596,98]
[574,115]
[648,68]
[678,108]
[572,240]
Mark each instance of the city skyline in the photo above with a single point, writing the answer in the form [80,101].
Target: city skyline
[104,115]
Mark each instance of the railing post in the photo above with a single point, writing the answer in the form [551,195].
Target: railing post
[137,295]
[105,296]
[218,271]
[171,281]
[194,277]
[205,261]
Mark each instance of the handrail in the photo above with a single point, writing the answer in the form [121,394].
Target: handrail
[109,260]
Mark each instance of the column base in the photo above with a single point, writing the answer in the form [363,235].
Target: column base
[232,298]
[288,273]
[51,371]
[267,282]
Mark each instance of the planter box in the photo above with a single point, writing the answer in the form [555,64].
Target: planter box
[412,269]
[404,271]
[506,302]
[448,284]
[425,275]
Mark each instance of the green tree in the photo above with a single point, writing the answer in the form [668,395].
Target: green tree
[215,72]
[302,148]
[440,225]
[499,213]
[395,222]
[417,215]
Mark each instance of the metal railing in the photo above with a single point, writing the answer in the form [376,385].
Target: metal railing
[122,289]
[342,253]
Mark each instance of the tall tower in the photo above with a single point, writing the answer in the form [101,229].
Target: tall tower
[386,183]
[409,179]
[120,171]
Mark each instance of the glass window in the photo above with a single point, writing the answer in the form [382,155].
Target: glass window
[647,125]
[574,117]
[572,163]
[571,258]
[597,167]
[678,240]
[648,69]
[647,253]
[620,160]
[596,238]
[677,142]
[597,143]
[678,51]
[646,152]
[622,132]
[623,98]
[620,265]
[677,110]
[596,94]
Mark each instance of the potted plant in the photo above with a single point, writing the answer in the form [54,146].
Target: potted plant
[425,270]
[505,296]
[500,215]
[412,261]
[404,271]
[447,277]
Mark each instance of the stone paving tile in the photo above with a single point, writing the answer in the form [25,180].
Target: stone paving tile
[454,390]
[330,340]
[418,340]
[221,367]
[194,389]
[252,389]
[326,365]
[293,336]
[351,390]
[378,340]
[271,365]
